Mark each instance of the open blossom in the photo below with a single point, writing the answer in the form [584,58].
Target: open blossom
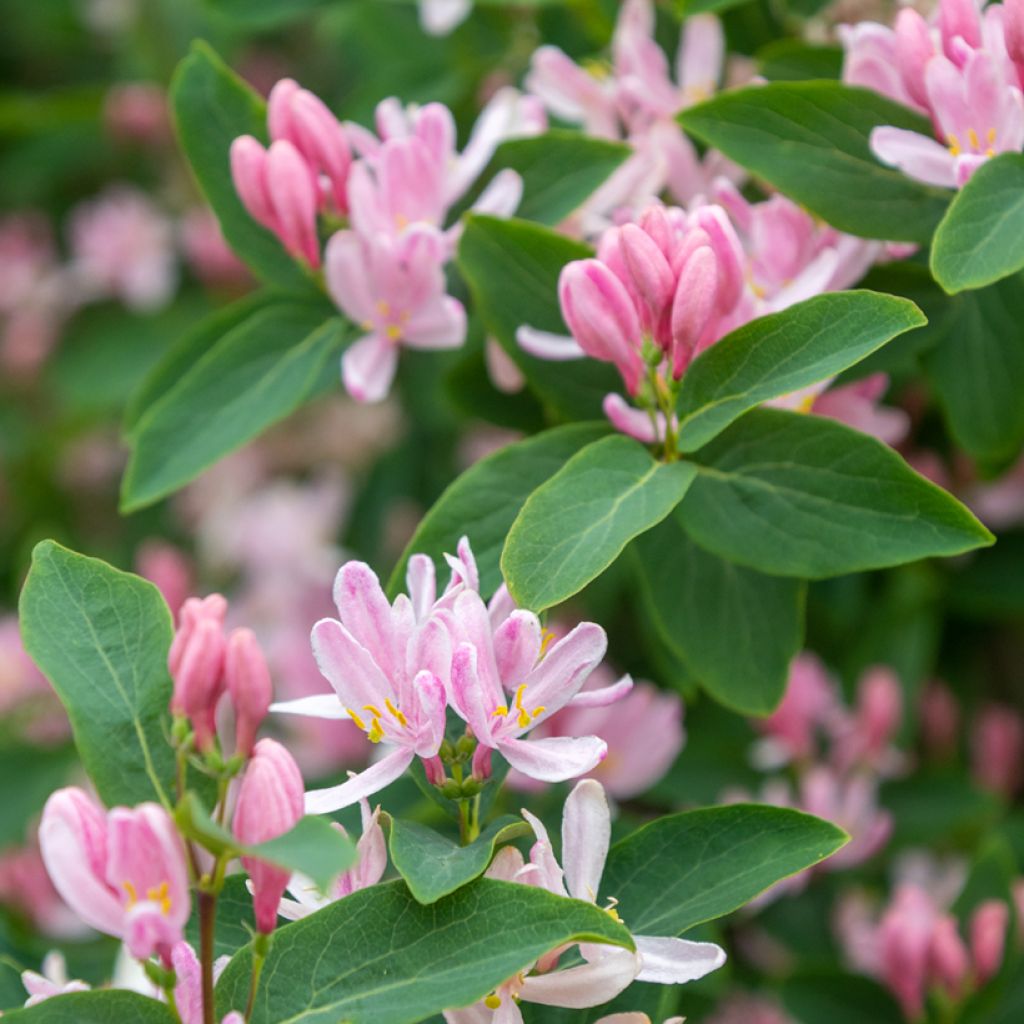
[393,288]
[389,666]
[371,862]
[51,980]
[122,871]
[586,835]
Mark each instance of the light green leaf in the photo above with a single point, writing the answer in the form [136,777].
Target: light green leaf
[253,376]
[981,238]
[101,637]
[734,629]
[577,523]
[784,352]
[685,869]
[113,1006]
[433,866]
[484,502]
[379,957]
[796,495]
[512,269]
[810,140]
[212,106]
[977,368]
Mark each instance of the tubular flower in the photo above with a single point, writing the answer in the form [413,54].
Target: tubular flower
[196,664]
[389,671]
[122,871]
[504,683]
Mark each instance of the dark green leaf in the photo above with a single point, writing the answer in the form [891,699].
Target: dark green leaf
[981,238]
[110,1007]
[264,14]
[379,957]
[578,522]
[810,140]
[839,999]
[734,629]
[255,375]
[212,107]
[433,866]
[101,637]
[792,60]
[796,495]
[685,869]
[484,501]
[512,267]
[785,352]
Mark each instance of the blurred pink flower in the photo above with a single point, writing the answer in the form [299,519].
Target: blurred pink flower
[207,252]
[138,112]
[997,749]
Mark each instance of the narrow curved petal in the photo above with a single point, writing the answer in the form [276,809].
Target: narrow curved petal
[368,368]
[669,961]
[633,422]
[347,275]
[586,835]
[421,582]
[589,984]
[317,705]
[517,644]
[555,759]
[548,345]
[348,666]
[564,669]
[365,784]
[501,198]
[469,698]
[437,324]
[604,696]
[917,156]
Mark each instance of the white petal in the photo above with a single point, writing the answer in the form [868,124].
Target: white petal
[668,961]
[318,705]
[547,345]
[586,834]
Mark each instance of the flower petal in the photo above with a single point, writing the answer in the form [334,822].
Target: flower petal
[368,368]
[586,835]
[317,705]
[590,984]
[365,784]
[555,759]
[669,961]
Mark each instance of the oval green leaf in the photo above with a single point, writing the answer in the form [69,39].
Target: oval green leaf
[796,495]
[104,1007]
[577,523]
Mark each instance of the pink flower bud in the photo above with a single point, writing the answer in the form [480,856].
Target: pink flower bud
[248,681]
[958,19]
[989,924]
[692,307]
[997,749]
[270,802]
[651,277]
[1013,30]
[196,663]
[879,709]
[904,939]
[280,123]
[914,48]
[248,171]
[598,309]
[948,961]
[293,197]
[728,250]
[168,568]
[939,715]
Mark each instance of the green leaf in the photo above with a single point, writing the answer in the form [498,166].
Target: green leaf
[560,169]
[484,502]
[981,238]
[101,637]
[379,957]
[734,629]
[839,999]
[796,495]
[977,368]
[312,847]
[28,775]
[113,1006]
[792,60]
[685,869]
[810,140]
[577,523]
[256,374]
[433,866]
[512,268]
[188,350]
[212,106]
[784,352]
[264,14]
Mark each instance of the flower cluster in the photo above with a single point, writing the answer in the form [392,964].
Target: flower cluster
[964,71]
[384,199]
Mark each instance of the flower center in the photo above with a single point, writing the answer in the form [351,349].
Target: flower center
[973,143]
[159,894]
[375,731]
[523,715]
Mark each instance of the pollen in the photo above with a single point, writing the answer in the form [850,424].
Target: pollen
[393,332]
[375,733]
[954,145]
[493,1001]
[360,724]
[396,714]
[972,138]
[500,711]
[133,896]
[383,307]
[161,894]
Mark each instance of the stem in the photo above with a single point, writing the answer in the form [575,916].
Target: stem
[260,949]
[207,924]
[465,828]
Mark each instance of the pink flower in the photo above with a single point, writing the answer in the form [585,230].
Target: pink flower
[269,804]
[188,992]
[997,749]
[439,17]
[394,288]
[371,850]
[137,112]
[168,568]
[196,664]
[858,405]
[808,705]
[389,669]
[989,927]
[52,981]
[904,939]
[207,252]
[939,715]
[248,682]
[123,871]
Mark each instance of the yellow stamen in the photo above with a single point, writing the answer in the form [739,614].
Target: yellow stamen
[383,307]
[376,733]
[972,138]
[493,1001]
[133,896]
[547,639]
[990,136]
[954,145]
[375,711]
[360,724]
[806,403]
[393,332]
[162,895]
[537,712]
[500,711]
[395,712]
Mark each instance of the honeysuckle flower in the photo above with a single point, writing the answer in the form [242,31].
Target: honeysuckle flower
[196,664]
[372,861]
[394,288]
[122,871]
[858,405]
[390,675]
[188,990]
[270,802]
[248,681]
[51,980]
[586,835]
[997,749]
[439,17]
[504,684]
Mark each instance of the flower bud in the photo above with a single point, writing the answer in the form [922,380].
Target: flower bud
[196,663]
[248,171]
[248,681]
[293,196]
[1013,30]
[270,802]
[997,749]
[958,19]
[914,48]
[939,715]
[989,924]
[879,709]
[692,307]
[947,957]
[728,250]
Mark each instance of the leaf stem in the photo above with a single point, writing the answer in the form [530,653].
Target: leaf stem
[207,926]
[260,948]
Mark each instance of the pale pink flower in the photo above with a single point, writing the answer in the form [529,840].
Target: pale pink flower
[393,288]
[371,863]
[122,871]
[207,252]
[989,927]
[852,804]
[122,247]
[26,887]
[858,405]
[749,1009]
[439,17]
[997,749]
[188,992]
[168,568]
[137,112]
[1000,503]
[52,980]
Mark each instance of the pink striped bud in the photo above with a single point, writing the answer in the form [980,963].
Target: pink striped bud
[196,664]
[602,317]
[728,250]
[958,19]
[249,173]
[654,222]
[270,803]
[652,280]
[914,48]
[248,680]
[280,124]
[294,200]
[989,924]
[948,961]
[692,307]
